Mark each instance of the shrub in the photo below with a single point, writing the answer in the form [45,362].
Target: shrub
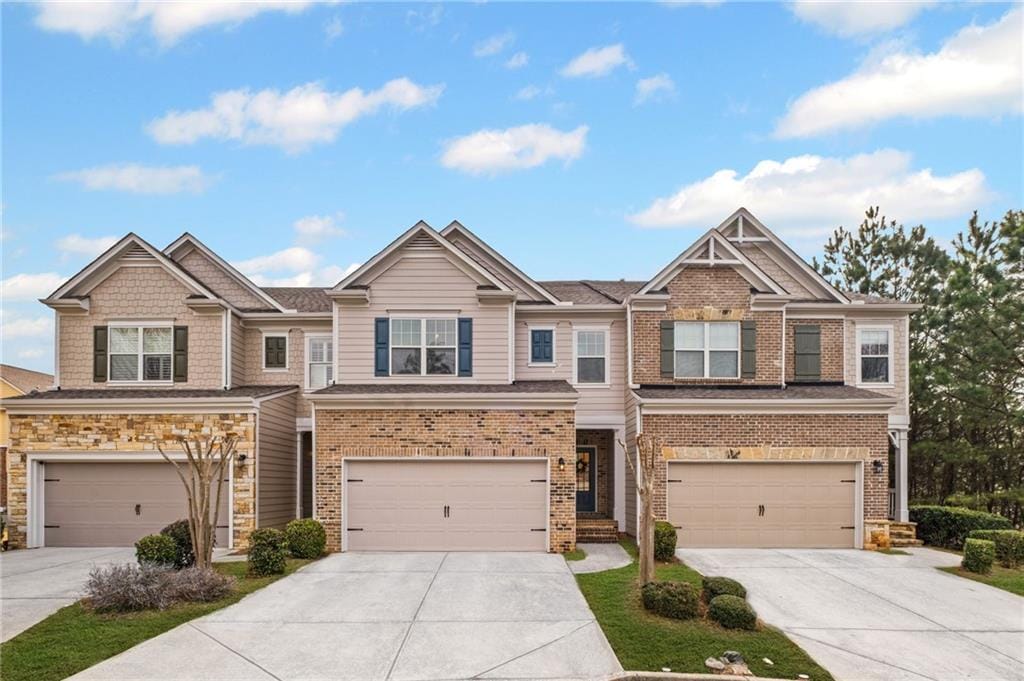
[732,612]
[677,600]
[196,585]
[979,555]
[306,538]
[1009,545]
[178,531]
[268,552]
[948,526]
[126,588]
[664,541]
[718,586]
[156,549]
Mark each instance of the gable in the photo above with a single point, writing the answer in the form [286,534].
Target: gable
[214,276]
[423,281]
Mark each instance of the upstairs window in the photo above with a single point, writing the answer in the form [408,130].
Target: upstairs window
[425,347]
[319,362]
[707,350]
[542,346]
[592,356]
[141,353]
[874,347]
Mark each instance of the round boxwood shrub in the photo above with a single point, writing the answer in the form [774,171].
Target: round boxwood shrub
[268,552]
[677,600]
[949,526]
[1009,545]
[979,554]
[664,541]
[156,549]
[178,531]
[718,586]
[306,538]
[732,612]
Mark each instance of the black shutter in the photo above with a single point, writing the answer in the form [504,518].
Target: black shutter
[807,352]
[380,346]
[99,354]
[275,352]
[180,354]
[668,355]
[748,349]
[465,346]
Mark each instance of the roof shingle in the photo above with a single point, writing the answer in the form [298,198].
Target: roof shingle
[729,392]
[518,387]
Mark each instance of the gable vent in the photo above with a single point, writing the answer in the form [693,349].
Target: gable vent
[422,242]
[136,252]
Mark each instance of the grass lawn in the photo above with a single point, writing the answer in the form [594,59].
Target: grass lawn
[1000,577]
[575,554]
[646,642]
[73,638]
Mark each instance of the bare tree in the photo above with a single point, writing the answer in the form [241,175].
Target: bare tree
[208,459]
[648,449]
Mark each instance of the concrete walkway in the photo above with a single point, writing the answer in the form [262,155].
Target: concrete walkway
[416,616]
[600,557]
[868,616]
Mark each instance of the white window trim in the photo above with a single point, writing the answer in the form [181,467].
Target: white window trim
[708,349]
[423,345]
[607,329]
[890,329]
[287,351]
[306,363]
[530,328]
[140,325]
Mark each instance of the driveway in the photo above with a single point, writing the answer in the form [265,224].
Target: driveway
[35,583]
[390,616]
[866,616]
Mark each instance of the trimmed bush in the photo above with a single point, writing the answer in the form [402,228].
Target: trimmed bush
[126,588]
[196,585]
[268,552]
[718,586]
[178,531]
[979,554]
[156,549]
[949,526]
[664,541]
[732,612]
[1009,545]
[306,538]
[678,600]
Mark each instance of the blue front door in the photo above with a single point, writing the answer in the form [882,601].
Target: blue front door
[586,479]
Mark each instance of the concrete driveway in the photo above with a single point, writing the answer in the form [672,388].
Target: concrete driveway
[35,583]
[866,616]
[390,616]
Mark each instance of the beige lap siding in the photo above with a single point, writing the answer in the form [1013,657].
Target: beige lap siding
[795,437]
[447,432]
[110,435]
[276,462]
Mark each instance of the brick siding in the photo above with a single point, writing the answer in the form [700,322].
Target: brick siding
[604,441]
[832,350]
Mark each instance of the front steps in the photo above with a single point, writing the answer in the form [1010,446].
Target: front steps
[903,534]
[596,531]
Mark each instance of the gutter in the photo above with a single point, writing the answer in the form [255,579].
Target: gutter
[768,406]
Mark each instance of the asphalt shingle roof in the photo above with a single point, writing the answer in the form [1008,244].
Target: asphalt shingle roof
[303,299]
[25,380]
[519,387]
[790,392]
[253,391]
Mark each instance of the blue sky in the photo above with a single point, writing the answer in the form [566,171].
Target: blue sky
[581,140]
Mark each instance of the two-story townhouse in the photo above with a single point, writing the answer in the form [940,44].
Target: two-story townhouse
[440,398]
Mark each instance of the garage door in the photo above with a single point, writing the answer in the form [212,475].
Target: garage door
[767,505]
[114,504]
[446,505]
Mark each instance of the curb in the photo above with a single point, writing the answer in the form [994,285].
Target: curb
[676,676]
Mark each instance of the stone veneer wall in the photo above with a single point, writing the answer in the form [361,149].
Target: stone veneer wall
[783,437]
[447,432]
[605,444]
[107,435]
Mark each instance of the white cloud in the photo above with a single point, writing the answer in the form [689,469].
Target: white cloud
[169,22]
[529,92]
[517,61]
[14,326]
[654,89]
[295,266]
[333,29]
[422,20]
[78,245]
[292,120]
[140,179]
[977,72]
[32,353]
[29,286]
[815,193]
[314,228]
[597,62]
[526,146]
[494,45]
[858,18]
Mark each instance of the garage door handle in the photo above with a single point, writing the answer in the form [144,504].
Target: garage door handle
[138,509]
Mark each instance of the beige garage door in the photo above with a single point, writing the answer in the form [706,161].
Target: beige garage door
[765,505]
[114,504]
[442,505]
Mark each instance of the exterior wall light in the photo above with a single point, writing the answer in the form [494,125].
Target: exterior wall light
[561,464]
[877,466]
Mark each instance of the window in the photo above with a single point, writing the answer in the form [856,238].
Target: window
[592,356]
[141,353]
[542,346]
[319,362]
[874,349]
[275,351]
[707,350]
[424,346]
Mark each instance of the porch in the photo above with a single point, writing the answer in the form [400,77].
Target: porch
[595,486]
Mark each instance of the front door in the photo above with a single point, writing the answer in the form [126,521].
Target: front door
[586,479]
